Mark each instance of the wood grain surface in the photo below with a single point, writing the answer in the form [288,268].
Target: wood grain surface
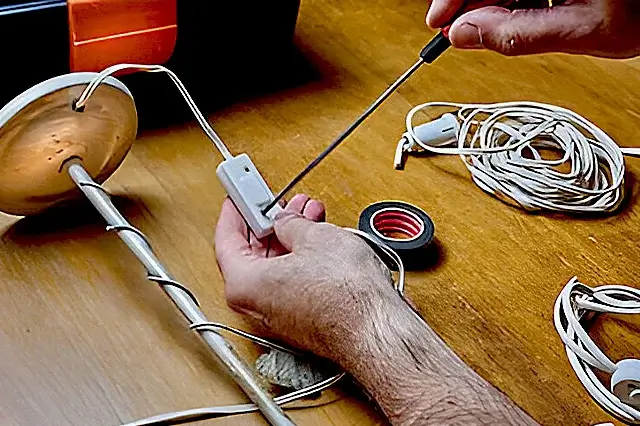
[87,340]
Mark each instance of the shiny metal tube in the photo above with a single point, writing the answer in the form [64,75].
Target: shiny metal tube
[185,302]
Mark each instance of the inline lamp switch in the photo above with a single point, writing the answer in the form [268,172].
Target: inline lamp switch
[249,192]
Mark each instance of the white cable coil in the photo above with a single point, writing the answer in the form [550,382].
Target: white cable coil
[574,304]
[503,146]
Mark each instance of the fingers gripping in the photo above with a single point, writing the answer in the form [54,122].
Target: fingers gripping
[521,32]
[292,229]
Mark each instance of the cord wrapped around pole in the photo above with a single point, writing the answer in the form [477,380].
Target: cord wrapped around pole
[179,294]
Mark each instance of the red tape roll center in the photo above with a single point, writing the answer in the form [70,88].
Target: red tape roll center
[397,224]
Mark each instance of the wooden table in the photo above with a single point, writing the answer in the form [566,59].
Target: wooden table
[86,340]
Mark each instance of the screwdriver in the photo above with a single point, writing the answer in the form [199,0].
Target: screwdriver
[432,51]
[436,47]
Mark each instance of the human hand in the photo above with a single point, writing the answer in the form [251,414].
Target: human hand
[314,285]
[321,288]
[605,28]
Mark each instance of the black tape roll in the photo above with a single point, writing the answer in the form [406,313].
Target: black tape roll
[403,227]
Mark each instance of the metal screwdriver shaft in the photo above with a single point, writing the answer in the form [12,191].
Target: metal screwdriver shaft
[431,51]
[343,136]
[183,299]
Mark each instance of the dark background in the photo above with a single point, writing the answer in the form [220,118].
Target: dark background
[225,51]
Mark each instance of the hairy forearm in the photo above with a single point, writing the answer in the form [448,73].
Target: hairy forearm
[416,379]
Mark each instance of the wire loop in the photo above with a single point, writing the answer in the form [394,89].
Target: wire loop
[504,147]
[125,227]
[572,306]
[80,103]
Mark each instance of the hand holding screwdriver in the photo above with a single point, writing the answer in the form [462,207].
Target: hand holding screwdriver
[436,47]
[605,28]
[512,27]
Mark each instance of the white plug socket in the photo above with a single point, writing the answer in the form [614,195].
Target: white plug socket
[249,192]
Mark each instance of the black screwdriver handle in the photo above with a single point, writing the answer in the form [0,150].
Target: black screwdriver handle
[436,47]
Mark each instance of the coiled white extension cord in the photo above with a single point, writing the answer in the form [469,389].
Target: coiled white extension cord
[575,304]
[502,146]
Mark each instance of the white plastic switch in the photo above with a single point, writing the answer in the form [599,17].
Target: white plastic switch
[442,131]
[249,192]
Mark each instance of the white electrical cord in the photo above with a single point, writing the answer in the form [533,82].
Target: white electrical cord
[191,415]
[80,103]
[501,144]
[574,304]
[283,400]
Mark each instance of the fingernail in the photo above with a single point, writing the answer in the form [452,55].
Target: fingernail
[468,36]
[429,18]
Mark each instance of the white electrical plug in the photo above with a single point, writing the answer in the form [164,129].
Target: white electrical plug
[249,192]
[439,132]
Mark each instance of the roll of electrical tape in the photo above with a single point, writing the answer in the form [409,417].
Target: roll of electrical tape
[403,227]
